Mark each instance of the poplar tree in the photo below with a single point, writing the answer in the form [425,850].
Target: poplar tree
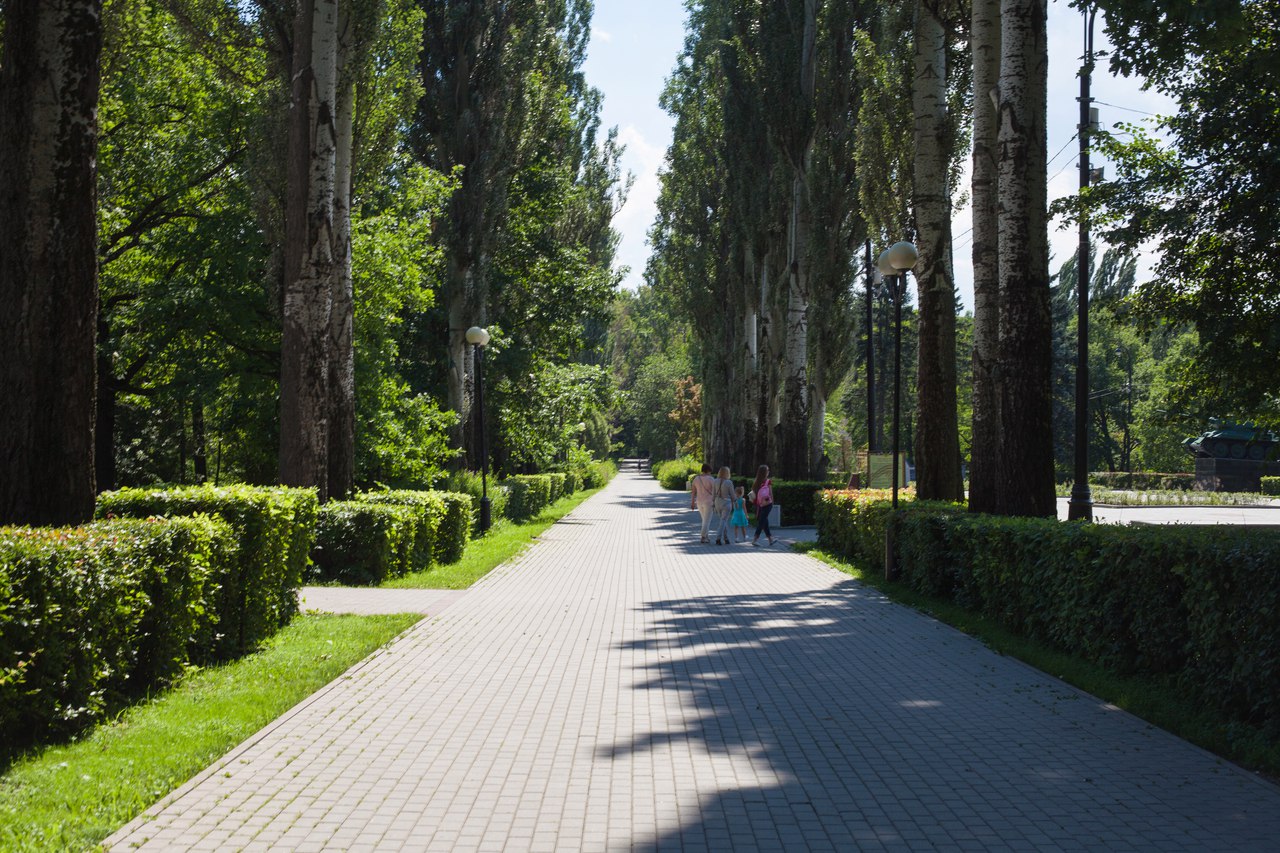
[49,79]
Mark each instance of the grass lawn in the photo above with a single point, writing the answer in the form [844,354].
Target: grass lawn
[504,540]
[70,797]
[1156,701]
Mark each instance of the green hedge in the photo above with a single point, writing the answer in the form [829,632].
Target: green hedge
[469,483]
[675,474]
[95,615]
[598,474]
[557,486]
[1143,481]
[797,498]
[362,543]
[1197,604]
[529,495]
[1271,486]
[275,529]
[456,526]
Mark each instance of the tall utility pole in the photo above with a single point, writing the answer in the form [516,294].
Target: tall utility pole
[871,365]
[1081,504]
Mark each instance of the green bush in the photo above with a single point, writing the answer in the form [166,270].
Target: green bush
[675,473]
[453,518]
[274,528]
[529,495]
[557,486]
[797,498]
[363,543]
[1196,604]
[599,474]
[572,482]
[1143,481]
[94,615]
[469,483]
[1271,486]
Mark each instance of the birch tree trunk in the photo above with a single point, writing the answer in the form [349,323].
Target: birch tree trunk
[937,442]
[49,82]
[986,441]
[342,364]
[308,255]
[1025,486]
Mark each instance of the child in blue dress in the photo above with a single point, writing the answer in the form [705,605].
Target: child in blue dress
[739,520]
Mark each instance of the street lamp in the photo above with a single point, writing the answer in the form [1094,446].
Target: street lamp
[478,338]
[895,261]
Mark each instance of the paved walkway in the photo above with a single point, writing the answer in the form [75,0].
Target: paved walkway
[623,687]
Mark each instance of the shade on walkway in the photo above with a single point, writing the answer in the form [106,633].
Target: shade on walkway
[623,687]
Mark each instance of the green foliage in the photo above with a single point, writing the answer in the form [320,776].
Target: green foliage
[529,495]
[72,796]
[1142,480]
[544,414]
[1271,486]
[557,487]
[676,473]
[274,528]
[645,415]
[469,483]
[451,511]
[1195,604]
[1209,196]
[362,543]
[95,615]
[598,474]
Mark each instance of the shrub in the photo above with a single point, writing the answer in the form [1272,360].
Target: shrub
[530,494]
[274,528]
[675,473]
[572,482]
[363,542]
[469,483]
[1192,603]
[1143,480]
[455,527]
[599,474]
[93,615]
[557,486]
[1271,486]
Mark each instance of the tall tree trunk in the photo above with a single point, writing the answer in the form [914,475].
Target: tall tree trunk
[938,437]
[342,365]
[308,256]
[1026,483]
[985,449]
[49,81]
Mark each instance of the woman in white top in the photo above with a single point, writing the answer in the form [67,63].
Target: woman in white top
[703,497]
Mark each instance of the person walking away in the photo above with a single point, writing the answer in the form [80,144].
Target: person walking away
[724,506]
[702,497]
[739,520]
[762,496]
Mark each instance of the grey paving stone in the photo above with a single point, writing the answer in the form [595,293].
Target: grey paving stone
[622,687]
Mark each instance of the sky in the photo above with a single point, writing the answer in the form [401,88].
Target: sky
[634,48]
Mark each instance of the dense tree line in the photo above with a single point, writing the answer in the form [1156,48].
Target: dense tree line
[295,206]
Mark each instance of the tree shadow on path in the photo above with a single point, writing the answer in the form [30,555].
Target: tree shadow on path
[837,720]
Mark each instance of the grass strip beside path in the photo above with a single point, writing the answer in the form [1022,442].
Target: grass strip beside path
[1157,701]
[505,540]
[70,797]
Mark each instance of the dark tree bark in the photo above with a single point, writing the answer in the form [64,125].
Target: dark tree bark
[49,81]
[1025,485]
[308,251]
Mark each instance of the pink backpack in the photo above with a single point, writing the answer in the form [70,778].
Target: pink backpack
[765,494]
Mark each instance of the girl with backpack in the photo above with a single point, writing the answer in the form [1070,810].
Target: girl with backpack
[762,495]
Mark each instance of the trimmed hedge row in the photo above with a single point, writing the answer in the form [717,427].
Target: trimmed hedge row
[598,474]
[528,495]
[1197,604]
[275,528]
[1271,486]
[95,615]
[1143,480]
[674,474]
[380,535]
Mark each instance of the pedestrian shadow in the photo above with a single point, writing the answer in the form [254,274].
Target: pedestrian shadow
[837,720]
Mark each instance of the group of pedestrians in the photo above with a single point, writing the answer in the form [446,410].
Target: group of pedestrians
[717,498]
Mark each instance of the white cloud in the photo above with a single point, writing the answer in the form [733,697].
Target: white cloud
[642,159]
[604,35]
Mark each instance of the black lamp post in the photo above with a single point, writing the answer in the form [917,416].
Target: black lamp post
[895,261]
[1080,506]
[478,337]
